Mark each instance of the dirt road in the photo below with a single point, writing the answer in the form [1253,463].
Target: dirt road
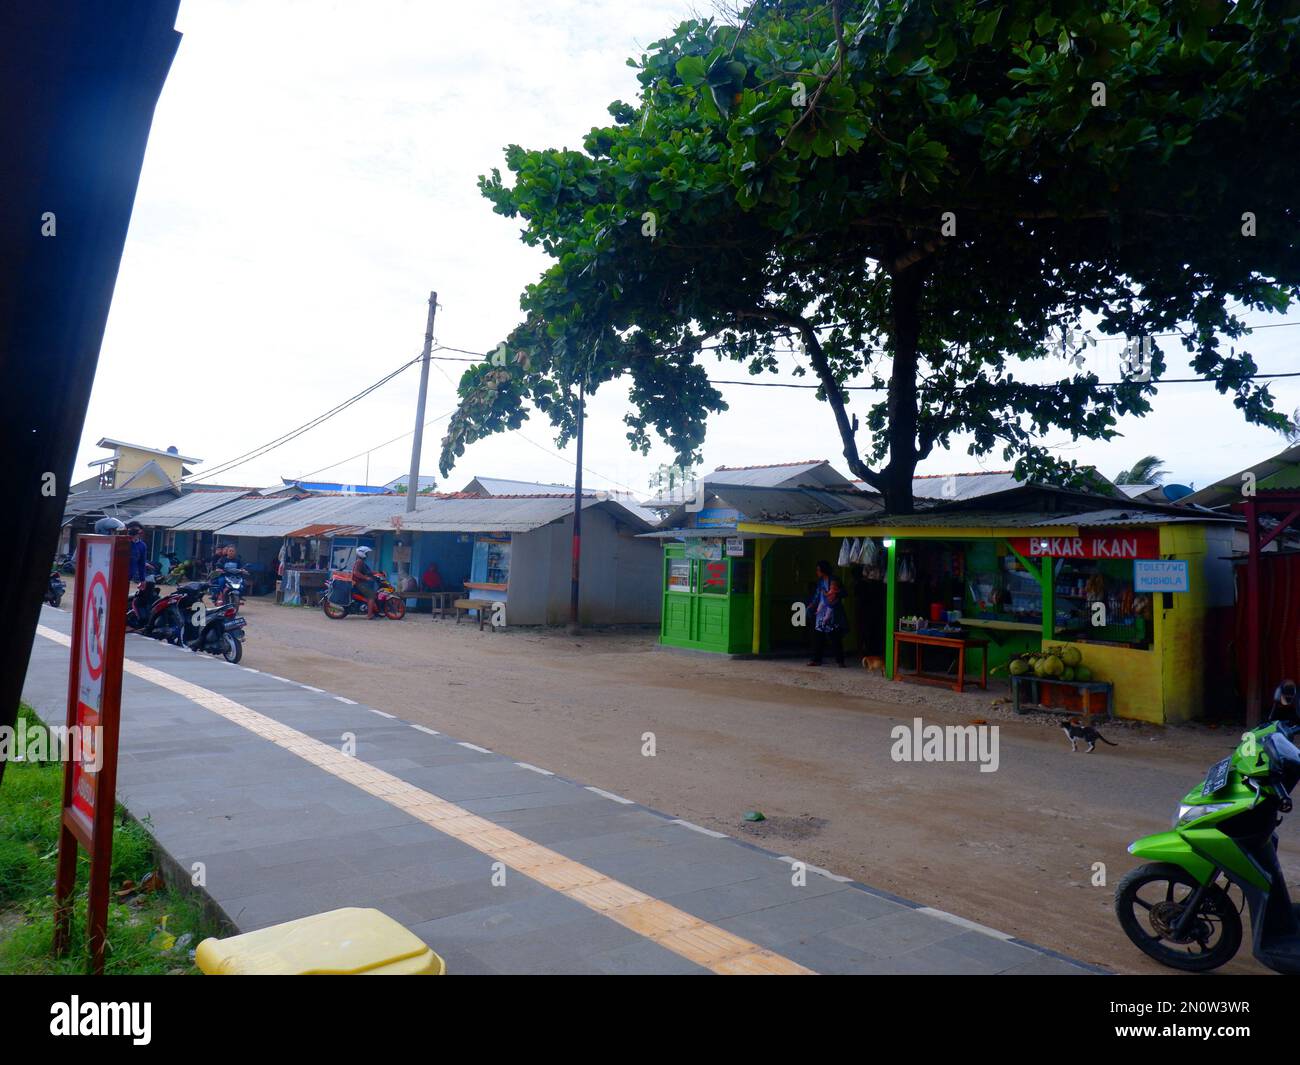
[810,748]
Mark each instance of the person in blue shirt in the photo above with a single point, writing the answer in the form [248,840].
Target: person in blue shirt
[139,552]
[830,620]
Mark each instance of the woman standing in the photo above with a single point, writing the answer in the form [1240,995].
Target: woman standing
[829,618]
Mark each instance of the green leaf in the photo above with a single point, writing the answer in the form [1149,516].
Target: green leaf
[690,68]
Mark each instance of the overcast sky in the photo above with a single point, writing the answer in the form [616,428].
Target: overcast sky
[310,178]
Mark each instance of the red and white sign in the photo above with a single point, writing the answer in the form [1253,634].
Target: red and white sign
[1101,543]
[94,697]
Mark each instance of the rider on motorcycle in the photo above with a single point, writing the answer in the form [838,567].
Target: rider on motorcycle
[363,582]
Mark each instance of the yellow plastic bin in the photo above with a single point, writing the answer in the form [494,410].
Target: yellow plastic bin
[347,942]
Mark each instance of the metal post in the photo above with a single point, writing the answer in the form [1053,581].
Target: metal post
[574,630]
[413,482]
[1254,655]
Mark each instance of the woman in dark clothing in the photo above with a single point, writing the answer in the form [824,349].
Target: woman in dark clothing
[829,618]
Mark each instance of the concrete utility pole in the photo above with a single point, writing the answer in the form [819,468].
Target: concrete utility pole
[574,629]
[413,482]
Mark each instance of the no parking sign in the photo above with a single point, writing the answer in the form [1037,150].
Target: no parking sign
[94,698]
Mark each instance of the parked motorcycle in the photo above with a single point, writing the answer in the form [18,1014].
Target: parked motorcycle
[1175,909]
[162,617]
[341,599]
[215,630]
[55,588]
[65,564]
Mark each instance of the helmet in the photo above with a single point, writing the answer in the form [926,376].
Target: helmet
[108,526]
[364,551]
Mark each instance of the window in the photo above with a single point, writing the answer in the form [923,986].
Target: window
[1095,603]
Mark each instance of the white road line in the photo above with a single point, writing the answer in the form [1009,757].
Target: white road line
[350,702]
[535,769]
[421,728]
[250,669]
[475,747]
[391,717]
[699,828]
[610,795]
[962,922]
[282,680]
[308,687]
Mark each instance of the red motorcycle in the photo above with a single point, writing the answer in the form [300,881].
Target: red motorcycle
[341,598]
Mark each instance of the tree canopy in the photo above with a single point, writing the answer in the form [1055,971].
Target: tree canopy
[1150,469]
[926,197]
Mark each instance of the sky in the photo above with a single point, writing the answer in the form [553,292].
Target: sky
[311,177]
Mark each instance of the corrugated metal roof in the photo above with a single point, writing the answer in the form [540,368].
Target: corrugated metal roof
[111,500]
[237,510]
[371,511]
[768,476]
[190,505]
[501,486]
[963,485]
[1116,516]
[495,514]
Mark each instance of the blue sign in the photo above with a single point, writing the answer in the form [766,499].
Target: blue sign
[1161,575]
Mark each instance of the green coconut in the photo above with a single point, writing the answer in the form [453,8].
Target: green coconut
[1082,673]
[1072,656]
[1053,667]
[1018,667]
[1067,673]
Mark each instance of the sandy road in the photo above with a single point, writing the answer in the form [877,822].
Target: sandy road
[810,748]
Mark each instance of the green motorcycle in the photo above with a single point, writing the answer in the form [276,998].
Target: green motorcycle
[1176,909]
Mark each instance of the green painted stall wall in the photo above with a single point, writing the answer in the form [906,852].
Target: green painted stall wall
[704,622]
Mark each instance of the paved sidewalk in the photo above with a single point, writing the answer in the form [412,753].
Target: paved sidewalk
[500,866]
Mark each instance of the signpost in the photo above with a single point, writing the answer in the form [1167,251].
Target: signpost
[94,700]
[1161,575]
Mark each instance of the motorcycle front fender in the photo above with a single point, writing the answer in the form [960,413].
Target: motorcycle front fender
[1171,847]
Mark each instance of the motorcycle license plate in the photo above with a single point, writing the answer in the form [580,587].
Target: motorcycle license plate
[1217,777]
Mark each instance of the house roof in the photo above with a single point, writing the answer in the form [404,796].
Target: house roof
[108,441]
[115,502]
[231,512]
[503,486]
[189,505]
[507,513]
[424,482]
[370,511]
[1277,472]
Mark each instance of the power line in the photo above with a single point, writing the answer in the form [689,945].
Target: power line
[293,434]
[368,450]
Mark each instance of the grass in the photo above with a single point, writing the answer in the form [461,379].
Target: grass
[138,924]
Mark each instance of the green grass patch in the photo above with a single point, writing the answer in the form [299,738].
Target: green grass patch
[138,925]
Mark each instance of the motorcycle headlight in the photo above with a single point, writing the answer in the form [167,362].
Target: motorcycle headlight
[1188,814]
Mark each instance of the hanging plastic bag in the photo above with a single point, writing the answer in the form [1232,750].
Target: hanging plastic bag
[869,552]
[846,546]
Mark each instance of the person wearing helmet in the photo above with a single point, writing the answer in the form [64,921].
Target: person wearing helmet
[363,581]
[139,552]
[1284,704]
[108,527]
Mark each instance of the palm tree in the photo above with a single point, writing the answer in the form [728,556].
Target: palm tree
[1147,470]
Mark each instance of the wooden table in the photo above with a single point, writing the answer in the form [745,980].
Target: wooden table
[960,644]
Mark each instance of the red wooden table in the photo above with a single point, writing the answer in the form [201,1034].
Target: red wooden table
[960,644]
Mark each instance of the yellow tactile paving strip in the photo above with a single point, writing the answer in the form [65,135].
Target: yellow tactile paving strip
[693,939]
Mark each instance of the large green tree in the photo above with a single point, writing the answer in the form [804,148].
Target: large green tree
[924,196]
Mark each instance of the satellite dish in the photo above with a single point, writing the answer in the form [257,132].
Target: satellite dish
[1174,492]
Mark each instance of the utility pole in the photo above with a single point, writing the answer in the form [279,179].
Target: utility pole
[574,629]
[413,482]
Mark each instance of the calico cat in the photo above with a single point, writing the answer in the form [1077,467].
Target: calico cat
[1076,732]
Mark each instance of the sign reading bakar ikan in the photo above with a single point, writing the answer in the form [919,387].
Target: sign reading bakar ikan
[1102,543]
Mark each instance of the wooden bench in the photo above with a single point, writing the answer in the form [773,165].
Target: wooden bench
[464,606]
[1086,689]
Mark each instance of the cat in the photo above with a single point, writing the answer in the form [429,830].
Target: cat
[874,663]
[1087,733]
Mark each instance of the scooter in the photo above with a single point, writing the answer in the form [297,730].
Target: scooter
[227,586]
[214,630]
[1175,910]
[55,588]
[341,599]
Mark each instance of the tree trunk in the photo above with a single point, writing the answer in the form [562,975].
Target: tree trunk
[905,311]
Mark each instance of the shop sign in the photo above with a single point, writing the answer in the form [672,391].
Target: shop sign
[717,517]
[1103,543]
[735,547]
[706,549]
[1161,575]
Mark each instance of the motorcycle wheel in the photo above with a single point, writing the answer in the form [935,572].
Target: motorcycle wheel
[333,610]
[57,602]
[232,650]
[395,608]
[1151,899]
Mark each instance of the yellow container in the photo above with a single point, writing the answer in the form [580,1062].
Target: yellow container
[346,942]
